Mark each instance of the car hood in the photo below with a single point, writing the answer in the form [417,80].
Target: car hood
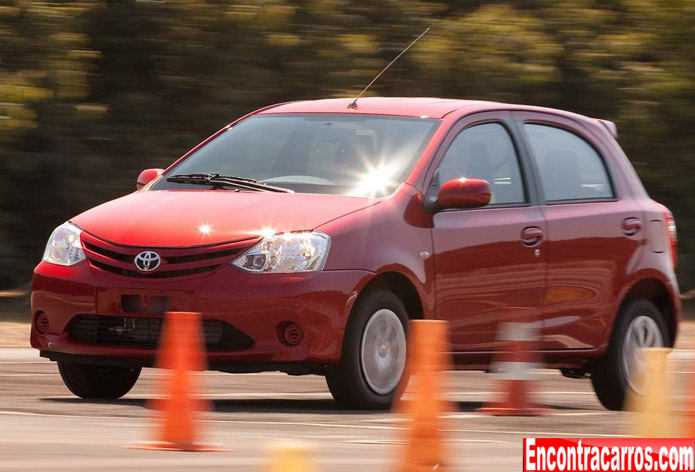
[181,218]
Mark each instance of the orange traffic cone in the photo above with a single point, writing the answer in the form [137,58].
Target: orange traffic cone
[291,457]
[422,400]
[178,408]
[654,417]
[516,364]
[690,426]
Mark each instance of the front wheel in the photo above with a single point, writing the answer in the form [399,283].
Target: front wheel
[97,382]
[374,353]
[640,325]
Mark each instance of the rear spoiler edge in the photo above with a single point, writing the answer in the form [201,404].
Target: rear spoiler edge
[610,126]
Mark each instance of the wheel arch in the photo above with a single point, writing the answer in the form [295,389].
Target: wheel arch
[346,380]
[402,287]
[657,292]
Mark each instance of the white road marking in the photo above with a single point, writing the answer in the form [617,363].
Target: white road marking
[389,442]
[61,415]
[149,460]
[30,354]
[154,372]
[274,396]
[270,395]
[551,412]
[401,442]
[332,425]
[280,396]
[564,393]
[214,421]
[15,374]
[581,413]
[20,354]
[474,431]
[463,394]
[558,434]
[682,354]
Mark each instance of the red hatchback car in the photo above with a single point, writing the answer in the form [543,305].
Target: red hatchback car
[309,233]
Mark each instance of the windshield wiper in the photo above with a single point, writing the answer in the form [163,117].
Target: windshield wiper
[217,180]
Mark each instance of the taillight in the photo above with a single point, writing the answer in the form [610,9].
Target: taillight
[672,237]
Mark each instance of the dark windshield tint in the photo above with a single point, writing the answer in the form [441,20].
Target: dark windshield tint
[366,155]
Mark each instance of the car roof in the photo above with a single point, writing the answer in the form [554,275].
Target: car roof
[403,106]
[399,106]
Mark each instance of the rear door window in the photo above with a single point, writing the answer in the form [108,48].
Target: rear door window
[570,168]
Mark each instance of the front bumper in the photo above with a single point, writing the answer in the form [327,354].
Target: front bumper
[255,304]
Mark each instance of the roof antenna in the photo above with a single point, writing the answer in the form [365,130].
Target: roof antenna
[353,104]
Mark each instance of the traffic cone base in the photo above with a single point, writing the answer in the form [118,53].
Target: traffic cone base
[291,456]
[421,398]
[167,446]
[517,361]
[178,407]
[509,411]
[688,429]
[517,394]
[654,418]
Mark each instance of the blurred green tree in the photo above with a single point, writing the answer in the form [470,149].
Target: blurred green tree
[47,168]
[91,92]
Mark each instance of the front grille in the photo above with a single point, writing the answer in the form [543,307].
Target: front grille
[202,257]
[144,332]
[160,274]
[106,253]
[176,262]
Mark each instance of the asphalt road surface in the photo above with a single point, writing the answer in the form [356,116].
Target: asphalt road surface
[43,427]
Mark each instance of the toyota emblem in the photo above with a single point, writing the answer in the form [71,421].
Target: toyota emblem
[147,261]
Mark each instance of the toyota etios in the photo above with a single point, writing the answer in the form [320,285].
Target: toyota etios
[307,234]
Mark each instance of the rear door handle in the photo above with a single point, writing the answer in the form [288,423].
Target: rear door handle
[531,236]
[631,226]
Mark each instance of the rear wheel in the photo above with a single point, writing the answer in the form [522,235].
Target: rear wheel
[97,382]
[374,351]
[640,325]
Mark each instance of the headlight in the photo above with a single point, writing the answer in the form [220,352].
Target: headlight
[289,252]
[64,247]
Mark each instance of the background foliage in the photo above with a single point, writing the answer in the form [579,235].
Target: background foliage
[92,92]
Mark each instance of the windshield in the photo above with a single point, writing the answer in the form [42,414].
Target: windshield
[361,155]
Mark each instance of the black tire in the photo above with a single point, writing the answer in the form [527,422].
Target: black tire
[347,381]
[608,375]
[97,382]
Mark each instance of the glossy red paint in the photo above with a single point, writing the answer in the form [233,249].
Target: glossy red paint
[319,302]
[147,176]
[415,107]
[490,279]
[199,217]
[464,193]
[568,267]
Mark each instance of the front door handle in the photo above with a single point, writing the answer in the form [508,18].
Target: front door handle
[531,236]
[631,226]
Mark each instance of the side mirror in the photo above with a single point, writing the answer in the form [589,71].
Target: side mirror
[464,193]
[147,176]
